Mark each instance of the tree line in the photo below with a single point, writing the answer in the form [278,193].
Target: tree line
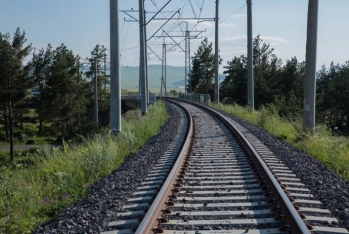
[63,104]
[276,84]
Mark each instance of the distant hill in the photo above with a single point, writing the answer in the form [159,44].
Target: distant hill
[181,82]
[129,76]
[175,77]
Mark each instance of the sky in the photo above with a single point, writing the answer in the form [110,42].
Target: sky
[82,24]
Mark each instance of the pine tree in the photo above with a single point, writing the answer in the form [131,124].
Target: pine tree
[66,92]
[233,88]
[266,72]
[40,71]
[14,80]
[98,55]
[202,73]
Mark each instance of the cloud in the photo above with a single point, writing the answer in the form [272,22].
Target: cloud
[274,40]
[238,38]
[268,39]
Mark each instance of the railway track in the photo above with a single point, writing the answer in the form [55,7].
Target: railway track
[216,177]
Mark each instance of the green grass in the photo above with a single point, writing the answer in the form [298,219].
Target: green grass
[34,190]
[325,146]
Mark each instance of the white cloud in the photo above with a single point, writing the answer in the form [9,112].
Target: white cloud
[274,40]
[238,38]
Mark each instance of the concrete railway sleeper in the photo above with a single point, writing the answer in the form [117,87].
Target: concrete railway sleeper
[217,178]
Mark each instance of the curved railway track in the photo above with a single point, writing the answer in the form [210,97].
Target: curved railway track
[216,177]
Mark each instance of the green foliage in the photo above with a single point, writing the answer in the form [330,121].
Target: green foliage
[283,87]
[333,97]
[267,68]
[97,59]
[14,81]
[262,116]
[203,68]
[174,93]
[323,145]
[54,178]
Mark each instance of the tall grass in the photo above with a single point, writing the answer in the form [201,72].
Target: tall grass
[33,193]
[324,145]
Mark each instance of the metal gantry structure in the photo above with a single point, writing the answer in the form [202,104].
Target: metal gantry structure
[187,38]
[115,112]
[144,46]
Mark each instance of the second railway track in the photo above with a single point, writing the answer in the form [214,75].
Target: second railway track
[223,181]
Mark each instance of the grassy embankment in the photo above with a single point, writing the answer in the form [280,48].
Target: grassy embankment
[40,184]
[324,145]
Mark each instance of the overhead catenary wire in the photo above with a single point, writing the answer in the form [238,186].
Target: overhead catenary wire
[235,12]
[202,6]
[192,8]
[169,28]
[123,43]
[231,16]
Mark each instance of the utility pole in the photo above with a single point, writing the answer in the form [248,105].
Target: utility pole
[146,60]
[105,73]
[95,91]
[310,67]
[216,62]
[250,84]
[142,55]
[187,59]
[115,74]
[163,75]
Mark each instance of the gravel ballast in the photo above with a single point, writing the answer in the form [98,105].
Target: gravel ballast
[91,215]
[326,186]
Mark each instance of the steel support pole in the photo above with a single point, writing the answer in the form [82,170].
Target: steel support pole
[95,89]
[310,67]
[186,62]
[105,73]
[250,82]
[216,63]
[142,77]
[163,75]
[146,60]
[115,74]
[189,62]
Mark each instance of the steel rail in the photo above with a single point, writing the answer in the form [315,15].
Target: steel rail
[155,210]
[291,216]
